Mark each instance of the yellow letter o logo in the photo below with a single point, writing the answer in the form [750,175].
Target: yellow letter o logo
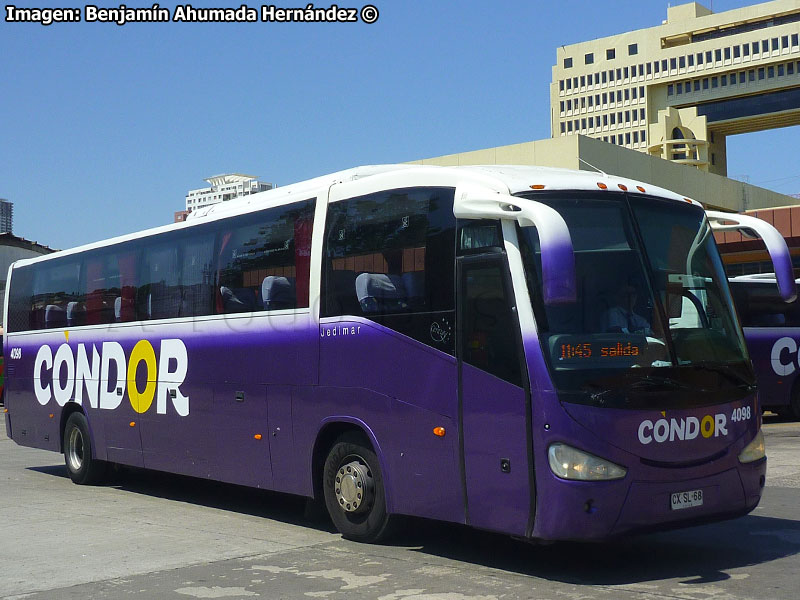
[142,351]
[707,426]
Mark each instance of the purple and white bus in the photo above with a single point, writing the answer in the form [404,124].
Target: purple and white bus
[498,346]
[772,331]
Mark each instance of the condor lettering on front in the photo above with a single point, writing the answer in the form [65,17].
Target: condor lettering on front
[104,376]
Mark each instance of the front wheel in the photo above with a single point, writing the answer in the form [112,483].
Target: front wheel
[354,493]
[82,467]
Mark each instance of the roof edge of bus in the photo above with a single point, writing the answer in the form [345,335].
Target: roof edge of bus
[512,178]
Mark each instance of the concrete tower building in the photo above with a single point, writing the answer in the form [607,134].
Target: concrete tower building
[678,89]
[6,216]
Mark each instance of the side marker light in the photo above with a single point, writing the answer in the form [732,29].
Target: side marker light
[624,188]
[257,436]
[602,185]
[438,431]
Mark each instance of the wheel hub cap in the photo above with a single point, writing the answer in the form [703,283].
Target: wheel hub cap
[353,487]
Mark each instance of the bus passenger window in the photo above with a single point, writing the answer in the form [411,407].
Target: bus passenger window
[389,257]
[264,260]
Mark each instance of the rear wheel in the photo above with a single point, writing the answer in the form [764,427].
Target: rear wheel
[82,467]
[353,488]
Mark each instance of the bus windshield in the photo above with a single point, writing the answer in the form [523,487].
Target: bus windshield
[653,325]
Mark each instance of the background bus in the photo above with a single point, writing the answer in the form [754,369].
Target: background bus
[451,343]
[772,330]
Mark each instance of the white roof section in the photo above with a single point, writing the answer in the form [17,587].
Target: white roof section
[511,179]
[217,180]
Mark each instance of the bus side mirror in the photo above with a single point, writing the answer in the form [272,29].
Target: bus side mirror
[776,245]
[558,257]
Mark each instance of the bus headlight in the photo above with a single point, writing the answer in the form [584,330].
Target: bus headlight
[570,463]
[755,450]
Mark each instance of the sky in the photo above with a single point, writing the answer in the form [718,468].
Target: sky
[104,128]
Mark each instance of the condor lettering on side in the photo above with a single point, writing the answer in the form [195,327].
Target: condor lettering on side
[91,373]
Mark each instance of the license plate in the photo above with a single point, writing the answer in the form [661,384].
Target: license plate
[679,500]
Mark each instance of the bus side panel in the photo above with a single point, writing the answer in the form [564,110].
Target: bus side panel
[774,390]
[420,385]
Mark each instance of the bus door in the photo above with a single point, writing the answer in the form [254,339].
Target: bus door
[493,400]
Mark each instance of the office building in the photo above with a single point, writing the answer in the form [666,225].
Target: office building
[6,216]
[677,90]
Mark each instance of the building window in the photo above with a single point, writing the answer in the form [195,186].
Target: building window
[764,46]
[619,96]
[790,69]
[664,64]
[751,75]
[785,41]
[628,139]
[591,101]
[567,63]
[708,56]
[641,70]
[696,85]
[741,76]
[583,123]
[611,54]
[745,49]
[641,114]
[718,54]
[755,48]
[794,39]
[569,126]
[613,118]
[690,58]
[699,58]
[673,63]
[723,81]
[775,45]
[627,116]
[761,73]
[680,88]
[619,74]
[727,53]
[627,94]
[611,75]
[714,82]
[643,136]
[770,72]
[670,90]
[737,51]
[633,93]
[569,84]
[613,139]
[589,58]
[705,83]
[583,80]
[627,74]
[605,97]
[780,70]
[633,49]
[635,137]
[605,120]
[649,68]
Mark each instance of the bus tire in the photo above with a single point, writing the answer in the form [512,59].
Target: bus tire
[793,410]
[354,491]
[82,467]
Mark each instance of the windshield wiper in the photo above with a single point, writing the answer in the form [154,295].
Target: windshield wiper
[651,383]
[728,372]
